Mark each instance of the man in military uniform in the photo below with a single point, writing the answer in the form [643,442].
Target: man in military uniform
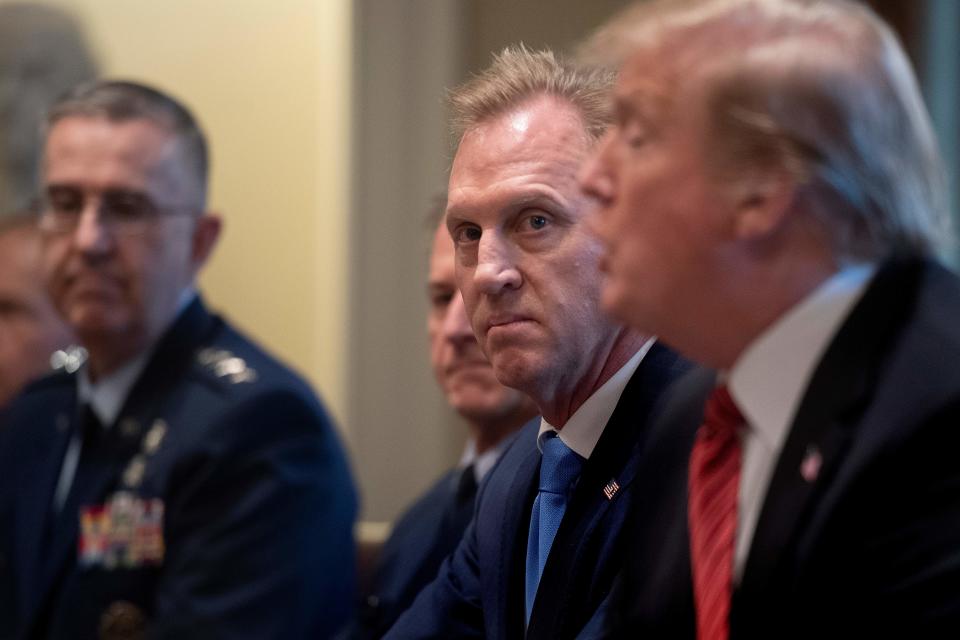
[181,483]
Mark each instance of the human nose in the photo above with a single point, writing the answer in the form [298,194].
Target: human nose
[495,270]
[456,325]
[92,236]
[595,178]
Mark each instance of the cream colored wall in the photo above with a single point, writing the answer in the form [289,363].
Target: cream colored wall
[270,81]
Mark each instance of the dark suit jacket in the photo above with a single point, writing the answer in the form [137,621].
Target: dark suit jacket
[422,538]
[480,589]
[258,502]
[870,547]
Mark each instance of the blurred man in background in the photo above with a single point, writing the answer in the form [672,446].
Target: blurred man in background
[431,529]
[181,483]
[30,328]
[772,199]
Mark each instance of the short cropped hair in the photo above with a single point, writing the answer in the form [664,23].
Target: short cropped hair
[820,88]
[121,101]
[518,74]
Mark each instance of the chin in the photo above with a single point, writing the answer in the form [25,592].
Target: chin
[517,372]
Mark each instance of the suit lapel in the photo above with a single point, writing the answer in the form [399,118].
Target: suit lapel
[838,392]
[579,569]
[509,557]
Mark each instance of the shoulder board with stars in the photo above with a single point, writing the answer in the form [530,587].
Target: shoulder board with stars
[223,364]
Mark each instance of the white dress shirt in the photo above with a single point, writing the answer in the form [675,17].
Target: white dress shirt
[483,462]
[769,380]
[585,426]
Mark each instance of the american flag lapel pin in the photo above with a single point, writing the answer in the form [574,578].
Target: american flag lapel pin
[611,489]
[812,461]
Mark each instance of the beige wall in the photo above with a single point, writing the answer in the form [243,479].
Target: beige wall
[270,81]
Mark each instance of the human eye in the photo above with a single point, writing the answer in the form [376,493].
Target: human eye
[441,298]
[63,202]
[466,234]
[127,207]
[635,135]
[533,221]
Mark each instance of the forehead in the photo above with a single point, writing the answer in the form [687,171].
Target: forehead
[531,152]
[95,151]
[648,83]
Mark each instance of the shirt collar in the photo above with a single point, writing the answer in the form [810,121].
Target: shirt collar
[107,396]
[770,377]
[484,462]
[586,425]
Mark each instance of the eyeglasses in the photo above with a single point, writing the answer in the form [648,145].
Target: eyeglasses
[122,212]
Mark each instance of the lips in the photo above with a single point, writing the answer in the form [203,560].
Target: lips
[503,320]
[91,285]
[462,365]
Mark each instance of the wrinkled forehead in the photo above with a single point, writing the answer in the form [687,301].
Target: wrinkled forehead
[529,155]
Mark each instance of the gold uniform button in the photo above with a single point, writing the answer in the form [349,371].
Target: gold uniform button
[123,621]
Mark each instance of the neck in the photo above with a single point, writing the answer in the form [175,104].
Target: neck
[108,356]
[558,409]
[765,295]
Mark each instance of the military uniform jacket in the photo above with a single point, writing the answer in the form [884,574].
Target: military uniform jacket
[219,505]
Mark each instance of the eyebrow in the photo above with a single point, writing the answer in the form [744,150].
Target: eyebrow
[541,198]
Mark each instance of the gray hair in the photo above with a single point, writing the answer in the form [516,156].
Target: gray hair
[122,101]
[42,54]
[518,74]
[820,88]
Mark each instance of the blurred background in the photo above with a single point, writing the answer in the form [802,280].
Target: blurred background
[329,140]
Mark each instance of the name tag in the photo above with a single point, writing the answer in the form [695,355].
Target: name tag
[125,532]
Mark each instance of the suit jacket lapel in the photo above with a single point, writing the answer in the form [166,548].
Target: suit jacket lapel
[509,557]
[835,398]
[586,538]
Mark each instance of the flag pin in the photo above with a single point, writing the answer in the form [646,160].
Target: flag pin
[611,489]
[810,467]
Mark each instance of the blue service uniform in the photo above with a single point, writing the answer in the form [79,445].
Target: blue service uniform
[218,505]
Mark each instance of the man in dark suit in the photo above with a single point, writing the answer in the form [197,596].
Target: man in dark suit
[544,547]
[432,527]
[173,480]
[772,198]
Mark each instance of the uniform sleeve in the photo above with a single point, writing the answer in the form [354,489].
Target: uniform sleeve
[259,528]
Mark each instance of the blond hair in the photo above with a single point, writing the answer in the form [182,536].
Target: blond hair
[822,89]
[518,74]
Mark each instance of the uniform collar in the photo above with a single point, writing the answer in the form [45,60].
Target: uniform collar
[107,396]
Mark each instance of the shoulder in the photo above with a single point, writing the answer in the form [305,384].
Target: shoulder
[239,373]
[238,399]
[46,396]
[428,505]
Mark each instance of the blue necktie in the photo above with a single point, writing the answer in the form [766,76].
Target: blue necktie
[559,469]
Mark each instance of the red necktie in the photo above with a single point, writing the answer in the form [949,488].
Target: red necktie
[714,482]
